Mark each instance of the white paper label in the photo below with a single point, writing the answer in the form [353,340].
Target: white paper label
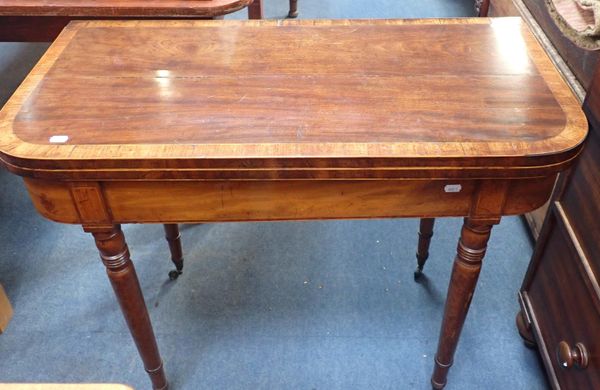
[453,188]
[59,139]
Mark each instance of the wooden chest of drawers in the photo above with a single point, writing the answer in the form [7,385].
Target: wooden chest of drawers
[560,296]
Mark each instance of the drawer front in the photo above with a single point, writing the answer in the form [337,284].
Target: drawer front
[565,307]
[581,200]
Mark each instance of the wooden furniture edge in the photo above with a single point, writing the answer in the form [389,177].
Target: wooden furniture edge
[198,9]
[49,20]
[536,218]
[541,345]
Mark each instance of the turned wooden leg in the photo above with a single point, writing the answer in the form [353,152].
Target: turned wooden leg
[467,264]
[174,239]
[293,9]
[255,10]
[482,7]
[425,234]
[120,270]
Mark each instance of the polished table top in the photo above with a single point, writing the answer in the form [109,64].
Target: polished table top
[356,99]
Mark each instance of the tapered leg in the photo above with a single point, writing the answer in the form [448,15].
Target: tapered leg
[255,10]
[482,7]
[467,264]
[425,234]
[174,239]
[120,270]
[293,9]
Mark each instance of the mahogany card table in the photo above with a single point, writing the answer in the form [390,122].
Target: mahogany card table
[211,121]
[43,20]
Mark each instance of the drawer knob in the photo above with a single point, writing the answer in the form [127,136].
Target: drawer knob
[569,357]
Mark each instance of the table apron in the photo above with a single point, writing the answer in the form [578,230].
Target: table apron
[116,202]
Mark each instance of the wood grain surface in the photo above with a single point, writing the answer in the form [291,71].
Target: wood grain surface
[42,21]
[120,8]
[370,99]
[222,201]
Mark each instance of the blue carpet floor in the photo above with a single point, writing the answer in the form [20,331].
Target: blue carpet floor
[303,305]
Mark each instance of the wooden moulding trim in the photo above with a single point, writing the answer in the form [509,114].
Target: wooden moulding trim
[523,306]
[198,8]
[230,171]
[584,263]
[546,357]
[296,162]
[554,151]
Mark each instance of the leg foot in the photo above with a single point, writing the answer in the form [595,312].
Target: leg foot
[255,10]
[425,234]
[174,239]
[525,332]
[467,264]
[120,270]
[418,274]
[482,7]
[293,9]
